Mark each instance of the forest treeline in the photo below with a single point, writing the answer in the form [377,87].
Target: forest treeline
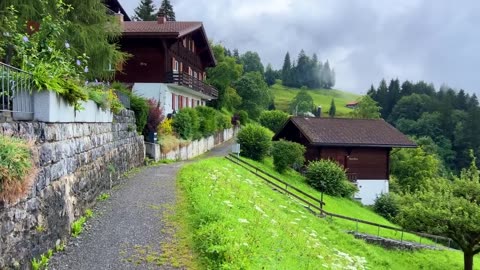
[451,118]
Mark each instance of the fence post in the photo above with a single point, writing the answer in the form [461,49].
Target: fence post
[378,232]
[356,225]
[401,237]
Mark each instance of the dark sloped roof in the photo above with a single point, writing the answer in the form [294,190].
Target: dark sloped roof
[167,28]
[351,132]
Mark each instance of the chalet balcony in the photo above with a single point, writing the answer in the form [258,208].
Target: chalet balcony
[188,81]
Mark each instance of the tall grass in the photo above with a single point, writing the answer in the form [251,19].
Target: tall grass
[17,171]
[238,222]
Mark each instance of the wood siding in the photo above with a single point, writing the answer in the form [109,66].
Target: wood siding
[365,163]
[147,61]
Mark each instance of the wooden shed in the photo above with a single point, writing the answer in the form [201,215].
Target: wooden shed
[361,146]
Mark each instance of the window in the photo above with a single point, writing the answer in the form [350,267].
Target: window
[195,74]
[200,76]
[190,71]
[173,102]
[193,46]
[180,103]
[186,102]
[184,42]
[174,64]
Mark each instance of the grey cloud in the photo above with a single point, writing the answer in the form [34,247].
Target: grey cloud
[365,41]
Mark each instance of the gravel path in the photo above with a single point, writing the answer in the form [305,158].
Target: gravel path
[127,230]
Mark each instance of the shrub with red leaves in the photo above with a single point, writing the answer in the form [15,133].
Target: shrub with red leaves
[155,115]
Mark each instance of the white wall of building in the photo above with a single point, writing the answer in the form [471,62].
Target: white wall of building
[163,93]
[369,190]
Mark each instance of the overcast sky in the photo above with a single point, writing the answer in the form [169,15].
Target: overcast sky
[364,40]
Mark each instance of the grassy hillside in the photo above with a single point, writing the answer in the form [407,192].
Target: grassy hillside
[238,222]
[321,97]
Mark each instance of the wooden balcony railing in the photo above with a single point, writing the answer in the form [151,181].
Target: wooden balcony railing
[192,83]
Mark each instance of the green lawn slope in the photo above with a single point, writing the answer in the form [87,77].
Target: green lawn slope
[321,97]
[236,221]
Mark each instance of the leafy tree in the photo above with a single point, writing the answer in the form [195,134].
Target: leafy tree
[333,109]
[88,29]
[367,108]
[287,154]
[222,77]
[231,99]
[411,107]
[302,103]
[145,11]
[270,75]
[251,62]
[273,120]
[329,177]
[413,168]
[166,10]
[450,209]
[254,92]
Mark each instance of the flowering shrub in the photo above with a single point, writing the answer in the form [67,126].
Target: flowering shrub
[166,127]
[155,115]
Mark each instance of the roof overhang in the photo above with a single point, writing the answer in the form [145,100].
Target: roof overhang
[186,90]
[365,145]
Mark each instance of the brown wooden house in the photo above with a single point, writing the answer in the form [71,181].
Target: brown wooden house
[168,62]
[361,146]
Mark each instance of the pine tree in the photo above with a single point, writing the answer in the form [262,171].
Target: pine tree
[166,10]
[286,69]
[145,11]
[333,109]
[269,75]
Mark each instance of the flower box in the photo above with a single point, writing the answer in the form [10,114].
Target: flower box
[50,107]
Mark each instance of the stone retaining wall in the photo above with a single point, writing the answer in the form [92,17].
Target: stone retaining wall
[76,162]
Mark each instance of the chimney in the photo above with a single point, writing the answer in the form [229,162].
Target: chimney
[319,111]
[119,17]
[161,19]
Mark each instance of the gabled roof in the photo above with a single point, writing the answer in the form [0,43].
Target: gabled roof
[168,28]
[348,132]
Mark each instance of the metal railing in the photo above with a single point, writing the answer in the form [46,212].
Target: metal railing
[184,79]
[316,206]
[16,88]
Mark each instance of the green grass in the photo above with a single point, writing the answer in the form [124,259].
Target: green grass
[321,97]
[238,222]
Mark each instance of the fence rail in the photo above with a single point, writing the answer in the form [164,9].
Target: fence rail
[16,88]
[287,188]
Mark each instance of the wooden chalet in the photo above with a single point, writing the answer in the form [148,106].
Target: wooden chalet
[361,146]
[168,62]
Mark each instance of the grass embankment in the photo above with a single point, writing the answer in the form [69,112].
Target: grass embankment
[321,97]
[238,222]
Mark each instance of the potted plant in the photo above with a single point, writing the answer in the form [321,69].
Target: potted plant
[155,117]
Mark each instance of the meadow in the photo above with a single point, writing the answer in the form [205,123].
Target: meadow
[236,221]
[321,97]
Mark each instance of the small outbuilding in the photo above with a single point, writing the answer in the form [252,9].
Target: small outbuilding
[361,146]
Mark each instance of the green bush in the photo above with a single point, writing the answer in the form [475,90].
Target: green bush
[329,177]
[195,122]
[387,205]
[222,121]
[16,168]
[287,154]
[242,116]
[207,125]
[255,141]
[182,124]
[273,120]
[140,106]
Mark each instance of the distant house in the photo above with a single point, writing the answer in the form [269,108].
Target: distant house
[361,146]
[352,105]
[168,62]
